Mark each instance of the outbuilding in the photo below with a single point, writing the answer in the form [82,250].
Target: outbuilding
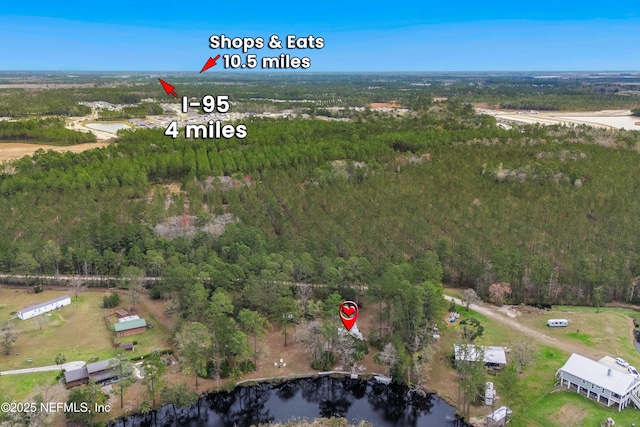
[492,356]
[38,309]
[131,327]
[499,417]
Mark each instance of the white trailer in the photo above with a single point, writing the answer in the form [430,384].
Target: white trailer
[557,323]
[38,309]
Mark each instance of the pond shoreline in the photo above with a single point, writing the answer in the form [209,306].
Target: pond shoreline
[308,396]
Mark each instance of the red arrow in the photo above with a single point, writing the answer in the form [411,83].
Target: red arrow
[211,62]
[168,88]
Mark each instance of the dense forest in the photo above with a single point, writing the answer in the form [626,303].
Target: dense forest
[51,131]
[549,210]
[380,208]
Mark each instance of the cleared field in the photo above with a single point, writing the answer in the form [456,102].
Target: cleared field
[593,334]
[79,330]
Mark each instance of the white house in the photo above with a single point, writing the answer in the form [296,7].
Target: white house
[600,382]
[37,309]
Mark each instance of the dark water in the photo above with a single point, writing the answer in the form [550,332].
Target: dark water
[380,405]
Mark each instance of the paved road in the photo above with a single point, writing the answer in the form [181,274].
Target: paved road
[69,366]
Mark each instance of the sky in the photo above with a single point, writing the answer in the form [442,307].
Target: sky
[427,35]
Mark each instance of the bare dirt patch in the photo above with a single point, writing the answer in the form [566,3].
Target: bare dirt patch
[173,187]
[570,415]
[17,150]
[509,310]
[390,104]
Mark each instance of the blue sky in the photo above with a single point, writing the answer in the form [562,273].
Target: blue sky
[426,35]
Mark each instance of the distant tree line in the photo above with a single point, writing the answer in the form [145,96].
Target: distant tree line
[51,131]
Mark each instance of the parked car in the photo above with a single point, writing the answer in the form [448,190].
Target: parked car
[633,371]
[620,361]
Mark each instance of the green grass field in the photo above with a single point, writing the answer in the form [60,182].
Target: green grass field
[18,387]
[592,332]
[78,331]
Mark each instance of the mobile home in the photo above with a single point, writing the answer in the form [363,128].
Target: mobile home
[38,309]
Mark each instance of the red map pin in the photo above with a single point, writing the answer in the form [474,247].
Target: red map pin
[348,314]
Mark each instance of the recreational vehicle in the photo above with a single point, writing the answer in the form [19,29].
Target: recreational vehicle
[557,323]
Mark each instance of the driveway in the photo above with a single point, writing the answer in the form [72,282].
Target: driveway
[69,366]
[495,313]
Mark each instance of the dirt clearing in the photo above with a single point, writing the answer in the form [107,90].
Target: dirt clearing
[16,150]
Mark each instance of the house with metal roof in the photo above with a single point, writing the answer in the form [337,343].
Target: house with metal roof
[38,309]
[98,371]
[131,327]
[491,355]
[103,370]
[76,377]
[600,382]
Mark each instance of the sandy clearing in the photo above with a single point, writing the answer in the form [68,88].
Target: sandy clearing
[17,150]
[591,118]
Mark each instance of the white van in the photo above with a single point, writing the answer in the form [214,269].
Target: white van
[620,361]
[557,323]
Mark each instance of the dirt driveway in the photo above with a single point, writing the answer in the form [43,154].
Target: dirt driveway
[499,314]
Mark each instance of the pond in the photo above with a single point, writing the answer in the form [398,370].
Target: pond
[355,400]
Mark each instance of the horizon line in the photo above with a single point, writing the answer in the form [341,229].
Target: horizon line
[280,71]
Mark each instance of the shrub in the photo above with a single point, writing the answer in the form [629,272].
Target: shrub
[361,349]
[377,340]
[324,362]
[111,301]
[247,366]
[155,293]
[225,369]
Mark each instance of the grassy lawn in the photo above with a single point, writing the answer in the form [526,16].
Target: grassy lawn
[564,408]
[597,334]
[18,387]
[602,332]
[594,333]
[78,331]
